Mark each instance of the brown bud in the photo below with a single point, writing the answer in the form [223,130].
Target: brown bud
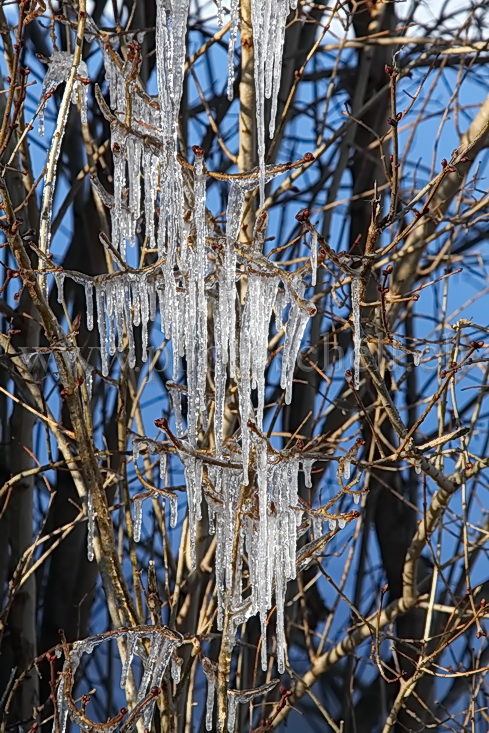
[302,215]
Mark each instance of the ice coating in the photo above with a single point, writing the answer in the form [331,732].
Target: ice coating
[187,288]
[60,65]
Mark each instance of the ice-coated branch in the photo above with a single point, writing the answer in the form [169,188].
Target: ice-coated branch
[163,643]
[55,149]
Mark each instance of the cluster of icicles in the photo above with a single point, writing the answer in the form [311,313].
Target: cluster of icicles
[163,644]
[163,653]
[268,20]
[184,287]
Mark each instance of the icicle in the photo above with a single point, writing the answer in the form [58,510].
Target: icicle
[261,295]
[138,519]
[417,467]
[417,358]
[227,279]
[89,302]
[62,704]
[220,386]
[175,397]
[279,17]
[278,308]
[346,469]
[134,156]
[135,286]
[232,708]
[144,303]
[136,449]
[317,526]
[176,668]
[60,279]
[314,256]
[193,479]
[233,33]
[162,661]
[356,498]
[280,601]
[118,143]
[307,468]
[299,315]
[111,312]
[210,670]
[171,27]
[83,89]
[150,668]
[332,524]
[211,687]
[264,568]
[173,511]
[245,697]
[88,371]
[163,466]
[106,198]
[220,14]
[357,333]
[260,16]
[160,653]
[198,270]
[126,317]
[91,526]
[59,69]
[341,522]
[268,21]
[131,643]
[149,195]
[152,299]
[100,299]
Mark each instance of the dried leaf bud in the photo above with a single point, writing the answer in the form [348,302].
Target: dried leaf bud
[302,215]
